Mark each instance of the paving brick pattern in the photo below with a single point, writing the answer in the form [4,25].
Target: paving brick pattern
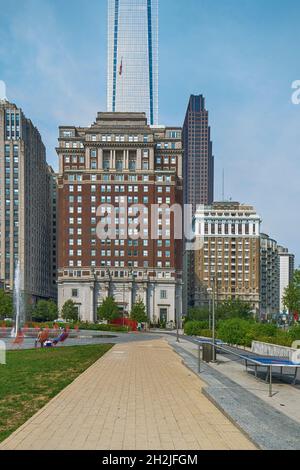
[137,396]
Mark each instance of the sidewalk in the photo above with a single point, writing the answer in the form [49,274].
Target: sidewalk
[270,422]
[137,396]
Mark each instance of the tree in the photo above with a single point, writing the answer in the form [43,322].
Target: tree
[198,314]
[138,312]
[6,304]
[108,310]
[291,295]
[45,310]
[234,309]
[69,311]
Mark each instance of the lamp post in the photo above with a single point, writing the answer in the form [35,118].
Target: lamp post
[177,322]
[123,302]
[213,316]
[209,291]
[177,318]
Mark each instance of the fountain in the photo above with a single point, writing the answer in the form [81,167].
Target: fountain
[18,303]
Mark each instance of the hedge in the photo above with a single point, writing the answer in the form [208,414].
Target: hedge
[193,328]
[81,326]
[243,332]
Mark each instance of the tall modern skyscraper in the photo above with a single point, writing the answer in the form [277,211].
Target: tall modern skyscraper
[198,176]
[198,158]
[132,82]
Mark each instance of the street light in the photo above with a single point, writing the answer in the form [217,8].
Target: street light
[177,324]
[213,317]
[209,290]
[177,318]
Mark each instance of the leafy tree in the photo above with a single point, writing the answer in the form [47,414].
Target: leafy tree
[45,310]
[138,312]
[6,305]
[198,314]
[69,311]
[108,310]
[234,309]
[291,296]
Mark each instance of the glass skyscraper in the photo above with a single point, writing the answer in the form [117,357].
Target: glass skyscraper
[132,83]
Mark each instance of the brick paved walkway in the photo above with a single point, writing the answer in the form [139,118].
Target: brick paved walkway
[137,396]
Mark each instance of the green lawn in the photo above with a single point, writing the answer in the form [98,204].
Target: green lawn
[32,377]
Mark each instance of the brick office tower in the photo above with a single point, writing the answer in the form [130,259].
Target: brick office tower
[119,158]
[198,176]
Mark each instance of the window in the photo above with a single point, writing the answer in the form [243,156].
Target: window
[74,292]
[67,133]
[93,164]
[163,294]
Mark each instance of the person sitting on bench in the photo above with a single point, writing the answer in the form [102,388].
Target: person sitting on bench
[62,337]
[43,335]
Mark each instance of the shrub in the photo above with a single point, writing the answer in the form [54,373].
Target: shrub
[257,331]
[207,333]
[294,332]
[101,327]
[193,328]
[234,331]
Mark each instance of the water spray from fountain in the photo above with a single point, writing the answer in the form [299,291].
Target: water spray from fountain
[18,303]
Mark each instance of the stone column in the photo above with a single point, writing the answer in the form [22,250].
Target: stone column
[139,159]
[91,314]
[126,160]
[100,159]
[87,157]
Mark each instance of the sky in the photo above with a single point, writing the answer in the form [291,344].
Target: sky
[242,55]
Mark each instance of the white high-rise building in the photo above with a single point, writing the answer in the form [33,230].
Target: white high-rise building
[132,82]
[286,271]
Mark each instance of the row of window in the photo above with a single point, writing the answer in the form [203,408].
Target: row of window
[163,293]
[121,264]
[120,253]
[119,178]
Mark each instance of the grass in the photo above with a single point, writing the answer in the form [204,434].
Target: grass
[32,377]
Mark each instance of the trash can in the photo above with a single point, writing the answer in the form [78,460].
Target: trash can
[208,352]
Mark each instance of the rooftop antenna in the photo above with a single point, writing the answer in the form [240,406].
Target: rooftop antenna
[2,91]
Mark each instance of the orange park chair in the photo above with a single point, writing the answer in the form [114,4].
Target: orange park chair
[19,339]
[3,330]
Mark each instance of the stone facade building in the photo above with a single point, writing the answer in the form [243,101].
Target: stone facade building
[119,160]
[229,253]
[24,205]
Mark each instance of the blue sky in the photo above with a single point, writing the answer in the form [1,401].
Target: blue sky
[241,54]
